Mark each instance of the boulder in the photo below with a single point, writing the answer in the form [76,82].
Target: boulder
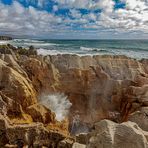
[133,99]
[78,145]
[141,118]
[108,134]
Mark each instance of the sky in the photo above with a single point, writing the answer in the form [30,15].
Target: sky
[75,19]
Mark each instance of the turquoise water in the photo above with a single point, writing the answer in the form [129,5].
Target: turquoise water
[132,48]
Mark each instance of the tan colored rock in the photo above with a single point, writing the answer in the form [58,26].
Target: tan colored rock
[108,134]
[44,76]
[3,136]
[67,143]
[97,86]
[9,107]
[133,99]
[78,145]
[13,63]
[15,86]
[141,118]
[34,134]
[40,113]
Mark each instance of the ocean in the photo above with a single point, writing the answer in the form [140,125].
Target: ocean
[132,48]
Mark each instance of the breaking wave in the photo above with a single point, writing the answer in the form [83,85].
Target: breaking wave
[93,49]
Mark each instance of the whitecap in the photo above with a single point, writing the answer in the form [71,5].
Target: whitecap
[93,49]
[4,42]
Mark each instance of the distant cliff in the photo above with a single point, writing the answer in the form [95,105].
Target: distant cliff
[5,38]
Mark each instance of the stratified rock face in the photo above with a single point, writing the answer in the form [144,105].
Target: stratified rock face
[108,134]
[31,135]
[15,86]
[24,121]
[99,86]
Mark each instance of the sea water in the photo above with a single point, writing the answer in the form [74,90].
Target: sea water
[132,48]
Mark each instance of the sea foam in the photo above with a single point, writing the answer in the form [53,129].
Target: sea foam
[58,103]
[4,42]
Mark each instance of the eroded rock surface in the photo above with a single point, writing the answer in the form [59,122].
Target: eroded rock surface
[108,134]
[99,87]
[20,111]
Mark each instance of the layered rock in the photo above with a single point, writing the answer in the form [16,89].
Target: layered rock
[140,117]
[34,134]
[15,86]
[99,86]
[108,134]
[20,111]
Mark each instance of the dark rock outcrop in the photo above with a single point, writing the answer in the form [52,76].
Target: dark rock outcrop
[5,38]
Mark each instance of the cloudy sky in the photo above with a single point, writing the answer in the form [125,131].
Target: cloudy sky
[75,19]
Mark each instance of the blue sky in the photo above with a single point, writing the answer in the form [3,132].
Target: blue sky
[75,19]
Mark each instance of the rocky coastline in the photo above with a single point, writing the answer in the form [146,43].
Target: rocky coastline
[4,38]
[109,96]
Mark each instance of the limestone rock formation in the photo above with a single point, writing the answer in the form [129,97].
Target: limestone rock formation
[15,86]
[20,112]
[141,118]
[78,145]
[99,86]
[40,113]
[34,134]
[108,134]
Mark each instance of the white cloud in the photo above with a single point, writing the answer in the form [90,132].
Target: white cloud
[105,5]
[55,8]
[74,3]
[134,17]
[29,21]
[75,14]
[16,18]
